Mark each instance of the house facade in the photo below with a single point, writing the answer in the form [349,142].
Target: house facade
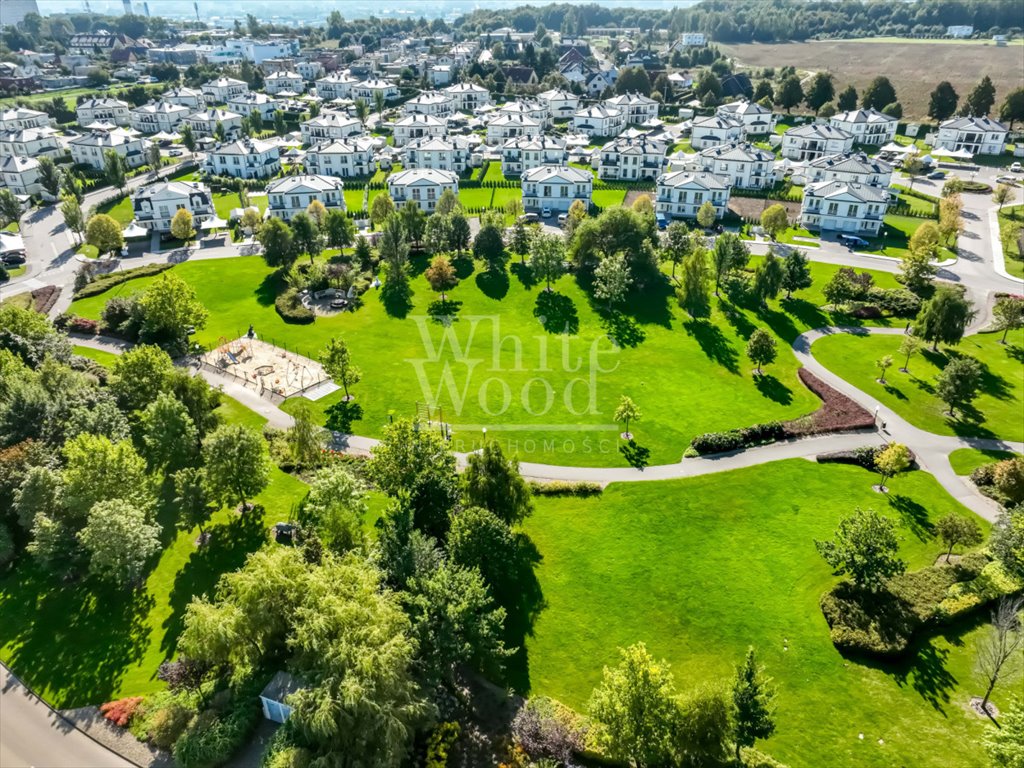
[366,89]
[252,102]
[284,82]
[680,194]
[205,123]
[710,131]
[637,108]
[413,127]
[292,194]
[562,104]
[525,152]
[244,159]
[30,142]
[631,159]
[331,126]
[977,135]
[745,165]
[811,141]
[20,118]
[844,207]
[556,187]
[468,96]
[337,85]
[757,120]
[223,88]
[433,103]
[854,168]
[91,148]
[20,175]
[868,126]
[103,111]
[599,120]
[507,126]
[154,206]
[161,116]
[185,97]
[423,186]
[341,157]
[439,154]
[532,109]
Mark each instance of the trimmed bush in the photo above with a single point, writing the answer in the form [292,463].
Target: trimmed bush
[735,439]
[105,282]
[289,307]
[83,325]
[895,301]
[121,711]
[167,724]
[562,488]
[212,738]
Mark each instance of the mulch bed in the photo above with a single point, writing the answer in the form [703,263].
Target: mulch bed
[837,413]
[44,298]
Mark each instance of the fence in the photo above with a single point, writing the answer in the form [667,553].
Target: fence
[259,389]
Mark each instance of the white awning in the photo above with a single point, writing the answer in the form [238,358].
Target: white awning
[213,223]
[134,230]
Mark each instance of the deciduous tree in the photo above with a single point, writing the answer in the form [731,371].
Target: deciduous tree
[694,291]
[547,257]
[337,362]
[821,91]
[1012,108]
[334,509]
[381,207]
[790,93]
[114,169]
[878,94]
[944,317]
[278,243]
[493,482]
[1009,315]
[119,540]
[1004,741]
[612,279]
[752,701]
[981,98]
[796,272]
[847,99]
[74,218]
[761,349]
[891,461]
[865,548]
[104,233]
[956,529]
[236,463]
[706,215]
[441,276]
[909,346]
[181,226]
[169,437]
[774,220]
[768,278]
[1002,643]
[169,309]
[627,411]
[306,235]
[883,364]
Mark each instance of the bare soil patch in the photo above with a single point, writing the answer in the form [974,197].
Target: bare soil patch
[751,207]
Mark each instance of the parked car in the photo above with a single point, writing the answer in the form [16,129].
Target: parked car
[13,258]
[529,218]
[562,218]
[1007,179]
[853,241]
[662,220]
[545,212]
[1016,168]
[936,175]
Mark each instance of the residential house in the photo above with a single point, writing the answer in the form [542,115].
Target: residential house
[417,127]
[252,102]
[687,40]
[867,126]
[423,186]
[556,187]
[434,103]
[533,109]
[854,168]
[977,135]
[680,194]
[186,97]
[745,165]
[562,104]
[468,96]
[525,152]
[20,175]
[844,207]
[637,107]
[341,157]
[222,89]
[439,75]
[103,110]
[440,154]
[757,120]
[599,120]
[205,123]
[154,205]
[507,126]
[290,195]
[91,148]
[158,116]
[811,141]
[309,69]
[244,159]
[520,76]
[367,88]
[598,82]
[284,82]
[337,85]
[30,142]
[20,118]
[633,158]
[712,130]
[330,125]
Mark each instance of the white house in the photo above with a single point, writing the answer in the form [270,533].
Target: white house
[205,123]
[103,110]
[757,120]
[185,97]
[331,125]
[843,207]
[161,116]
[507,126]
[745,165]
[309,69]
[556,187]
[367,88]
[525,152]
[439,75]
[223,88]
[855,168]
[868,126]
[20,175]
[290,195]
[337,85]
[244,159]
[30,142]
[434,103]
[439,154]
[977,135]
[20,118]
[637,107]
[155,205]
[532,109]
[252,102]
[91,148]
[417,127]
[599,120]
[423,186]
[713,130]
[468,96]
[681,193]
[631,158]
[284,82]
[341,157]
[811,141]
[562,104]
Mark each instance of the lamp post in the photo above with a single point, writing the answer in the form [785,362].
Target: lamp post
[883,239]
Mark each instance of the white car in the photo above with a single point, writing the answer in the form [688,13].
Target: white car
[1016,168]
[545,212]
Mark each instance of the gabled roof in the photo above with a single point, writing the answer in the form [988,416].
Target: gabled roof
[250,98]
[851,162]
[562,173]
[224,82]
[512,118]
[214,115]
[971,123]
[539,143]
[629,100]
[818,131]
[558,94]
[598,111]
[102,103]
[743,107]
[715,123]
[430,144]
[697,179]
[283,75]
[104,139]
[342,146]
[413,176]
[162,107]
[635,144]
[332,120]
[738,152]
[308,183]
[862,116]
[419,119]
[863,193]
[466,88]
[17,164]
[169,190]
[245,147]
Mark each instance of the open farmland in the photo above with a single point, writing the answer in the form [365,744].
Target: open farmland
[914,73]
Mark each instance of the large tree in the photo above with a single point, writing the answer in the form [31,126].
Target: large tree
[752,699]
[406,451]
[489,246]
[866,548]
[104,233]
[796,272]
[236,463]
[879,94]
[944,317]
[694,290]
[958,383]
[170,439]
[337,362]
[170,309]
[1012,108]
[493,482]
[774,220]
[761,348]
[49,177]
[1004,741]
[981,98]
[338,229]
[334,509]
[790,93]
[612,279]
[119,539]
[278,243]
[306,235]
[74,217]
[847,99]
[943,101]
[547,257]
[97,469]
[1009,315]
[114,169]
[768,278]
[677,244]
[821,91]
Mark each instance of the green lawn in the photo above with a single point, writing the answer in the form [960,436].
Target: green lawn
[966,460]
[89,251]
[898,231]
[918,205]
[354,198]
[91,643]
[502,195]
[477,197]
[1012,255]
[997,412]
[494,172]
[607,198]
[12,226]
[700,569]
[100,356]
[686,377]
[224,202]
[121,210]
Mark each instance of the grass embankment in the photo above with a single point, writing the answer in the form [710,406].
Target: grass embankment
[1009,216]
[966,460]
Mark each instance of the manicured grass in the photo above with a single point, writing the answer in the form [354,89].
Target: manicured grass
[88,643]
[224,202]
[966,460]
[100,356]
[700,569]
[354,198]
[790,236]
[502,196]
[12,226]
[89,251]
[1012,256]
[479,197]
[996,413]
[494,172]
[898,231]
[918,204]
[606,198]
[686,377]
[71,94]
[121,211]
[20,300]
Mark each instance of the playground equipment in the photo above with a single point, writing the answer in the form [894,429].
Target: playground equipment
[233,352]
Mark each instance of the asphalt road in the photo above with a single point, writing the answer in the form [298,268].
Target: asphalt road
[34,736]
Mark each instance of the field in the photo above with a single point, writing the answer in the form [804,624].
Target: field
[551,393]
[700,569]
[996,412]
[913,74]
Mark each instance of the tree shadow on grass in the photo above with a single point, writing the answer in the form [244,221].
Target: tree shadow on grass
[493,283]
[714,344]
[269,288]
[523,601]
[968,422]
[463,266]
[893,390]
[1016,352]
[524,275]
[782,324]
[773,389]
[807,314]
[737,319]
[396,299]
[418,263]
[556,312]
[341,415]
[226,549]
[444,312]
[650,303]
[635,454]
[622,329]
[913,516]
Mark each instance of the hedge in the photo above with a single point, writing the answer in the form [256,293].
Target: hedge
[105,282]
[562,488]
[735,439]
[289,307]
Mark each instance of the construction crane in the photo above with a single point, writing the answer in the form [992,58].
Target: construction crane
[128,8]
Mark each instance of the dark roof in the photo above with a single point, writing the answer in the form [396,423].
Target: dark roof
[736,84]
[520,75]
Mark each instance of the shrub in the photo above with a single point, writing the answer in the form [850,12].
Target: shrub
[718,442]
[167,724]
[867,312]
[289,757]
[440,744]
[121,711]
[120,314]
[545,728]
[289,307]
[105,282]
[562,488]
[216,734]
[7,550]
[83,325]
[895,301]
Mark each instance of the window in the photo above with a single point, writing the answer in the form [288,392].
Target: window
[833,209]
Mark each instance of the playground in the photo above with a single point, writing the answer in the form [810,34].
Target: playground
[268,368]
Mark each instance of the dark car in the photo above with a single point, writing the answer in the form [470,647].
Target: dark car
[853,241]
[937,175]
[13,258]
